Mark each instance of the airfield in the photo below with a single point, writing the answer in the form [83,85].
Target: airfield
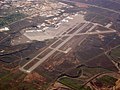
[65,34]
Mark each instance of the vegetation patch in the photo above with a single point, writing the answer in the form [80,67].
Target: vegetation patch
[10,18]
[74,84]
[107,80]
[116,52]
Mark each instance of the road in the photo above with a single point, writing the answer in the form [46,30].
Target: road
[95,6]
[103,8]
[92,78]
[5,38]
[102,54]
[114,1]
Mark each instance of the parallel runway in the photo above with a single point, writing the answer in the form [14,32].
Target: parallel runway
[51,52]
[59,45]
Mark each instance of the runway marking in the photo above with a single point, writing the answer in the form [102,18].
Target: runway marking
[70,36]
[51,52]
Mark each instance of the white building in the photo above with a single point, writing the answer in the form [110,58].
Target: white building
[4,29]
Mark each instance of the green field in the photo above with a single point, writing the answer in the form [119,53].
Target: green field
[93,70]
[107,80]
[10,18]
[116,52]
[74,84]
[3,73]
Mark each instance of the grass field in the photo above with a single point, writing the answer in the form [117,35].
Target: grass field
[74,84]
[116,52]
[10,18]
[107,80]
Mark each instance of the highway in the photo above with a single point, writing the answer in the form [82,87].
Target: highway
[114,1]
[103,8]
[95,6]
